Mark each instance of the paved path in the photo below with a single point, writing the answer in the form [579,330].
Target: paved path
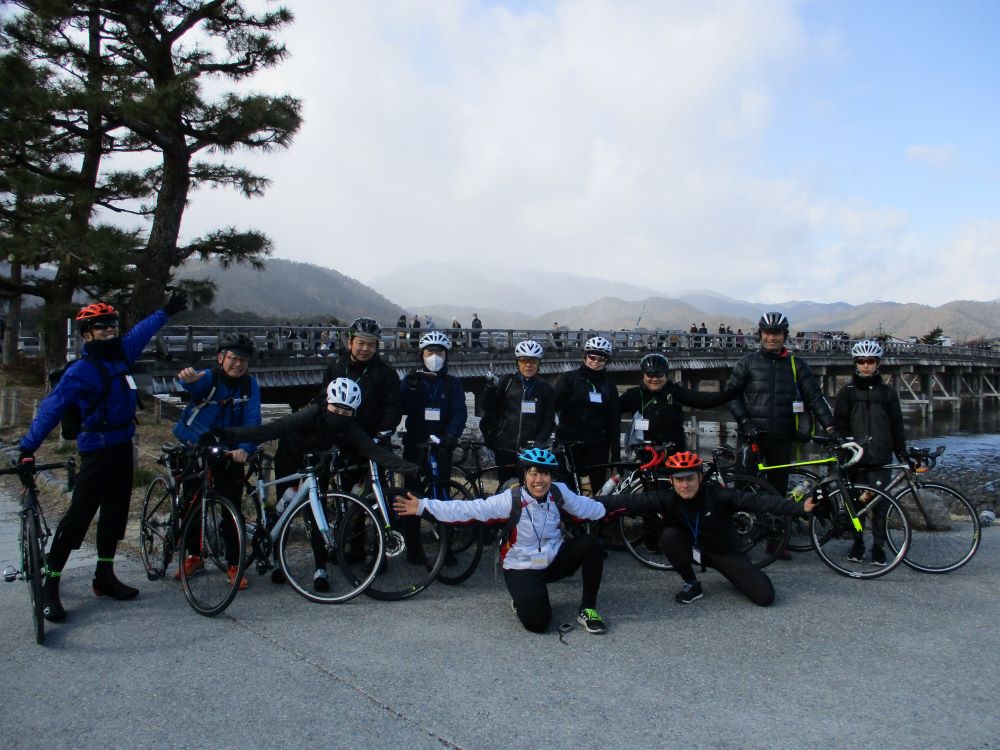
[907,661]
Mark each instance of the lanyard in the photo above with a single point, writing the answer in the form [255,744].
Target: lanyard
[538,534]
[435,390]
[643,403]
[527,386]
[694,529]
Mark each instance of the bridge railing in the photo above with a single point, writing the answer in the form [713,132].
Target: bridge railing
[305,340]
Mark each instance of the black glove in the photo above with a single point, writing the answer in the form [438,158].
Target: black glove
[215,436]
[449,442]
[384,438]
[177,301]
[750,430]
[835,435]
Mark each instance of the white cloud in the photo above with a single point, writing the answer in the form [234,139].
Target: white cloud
[611,139]
[939,156]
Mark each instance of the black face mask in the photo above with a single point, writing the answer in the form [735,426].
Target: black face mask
[336,424]
[105,348]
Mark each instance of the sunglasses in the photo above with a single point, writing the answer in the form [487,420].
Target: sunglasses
[597,357]
[656,375]
[103,326]
[866,361]
[236,358]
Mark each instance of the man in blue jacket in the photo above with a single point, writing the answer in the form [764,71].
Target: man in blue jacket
[100,386]
[434,404]
[225,396]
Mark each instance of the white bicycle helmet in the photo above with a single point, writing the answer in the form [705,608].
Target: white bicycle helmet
[772,321]
[528,349]
[435,338]
[867,348]
[598,345]
[344,392]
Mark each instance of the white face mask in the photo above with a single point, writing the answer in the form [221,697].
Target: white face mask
[434,362]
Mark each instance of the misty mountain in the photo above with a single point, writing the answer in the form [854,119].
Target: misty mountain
[290,290]
[514,286]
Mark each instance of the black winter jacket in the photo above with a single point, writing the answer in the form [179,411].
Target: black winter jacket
[763,391]
[381,407]
[870,408]
[503,408]
[663,409]
[710,511]
[582,420]
[318,430]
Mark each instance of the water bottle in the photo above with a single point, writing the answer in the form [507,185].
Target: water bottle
[987,517]
[801,491]
[286,498]
[609,486]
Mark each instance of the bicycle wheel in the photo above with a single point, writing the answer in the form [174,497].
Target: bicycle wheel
[850,552]
[213,531]
[800,537]
[303,550]
[763,536]
[31,534]
[944,528]
[415,550]
[640,532]
[465,545]
[157,527]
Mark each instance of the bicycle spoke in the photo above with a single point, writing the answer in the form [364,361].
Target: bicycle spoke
[944,527]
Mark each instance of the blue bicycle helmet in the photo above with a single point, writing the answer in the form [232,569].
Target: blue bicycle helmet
[538,457]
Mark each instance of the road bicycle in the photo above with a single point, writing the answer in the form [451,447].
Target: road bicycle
[33,534]
[183,516]
[307,532]
[944,526]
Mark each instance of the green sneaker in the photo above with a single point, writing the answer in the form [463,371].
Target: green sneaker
[592,622]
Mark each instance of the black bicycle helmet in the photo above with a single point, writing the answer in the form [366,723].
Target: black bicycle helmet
[239,344]
[773,321]
[654,362]
[365,327]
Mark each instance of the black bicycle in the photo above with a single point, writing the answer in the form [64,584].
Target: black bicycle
[33,535]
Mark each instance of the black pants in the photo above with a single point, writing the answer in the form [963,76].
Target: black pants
[529,589]
[775,452]
[585,457]
[506,464]
[677,546]
[878,478]
[227,481]
[104,482]
[418,454]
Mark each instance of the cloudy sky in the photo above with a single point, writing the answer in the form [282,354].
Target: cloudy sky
[767,149]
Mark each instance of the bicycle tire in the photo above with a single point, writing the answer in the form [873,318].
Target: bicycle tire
[297,554]
[641,532]
[465,545]
[955,540]
[415,550]
[763,536]
[834,535]
[33,569]
[209,589]
[157,527]
[800,538]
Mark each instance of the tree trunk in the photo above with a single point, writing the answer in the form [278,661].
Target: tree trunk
[13,322]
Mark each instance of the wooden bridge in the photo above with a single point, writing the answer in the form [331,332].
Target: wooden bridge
[290,361]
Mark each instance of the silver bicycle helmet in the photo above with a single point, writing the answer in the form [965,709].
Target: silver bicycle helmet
[435,338]
[773,321]
[528,349]
[344,392]
[867,348]
[598,345]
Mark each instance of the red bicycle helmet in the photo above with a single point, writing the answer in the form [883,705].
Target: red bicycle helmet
[684,462]
[96,310]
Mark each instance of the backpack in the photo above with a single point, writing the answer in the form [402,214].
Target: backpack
[244,395]
[71,423]
[515,515]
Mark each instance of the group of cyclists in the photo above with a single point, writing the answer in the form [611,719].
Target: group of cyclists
[772,394]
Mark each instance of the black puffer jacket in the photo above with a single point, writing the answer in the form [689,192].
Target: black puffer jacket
[503,406]
[710,511]
[763,390]
[870,408]
[582,420]
[663,409]
[381,407]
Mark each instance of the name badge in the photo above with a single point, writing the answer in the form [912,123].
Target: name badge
[696,555]
[640,423]
[798,407]
[432,415]
[527,407]
[596,398]
[131,382]
[539,561]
